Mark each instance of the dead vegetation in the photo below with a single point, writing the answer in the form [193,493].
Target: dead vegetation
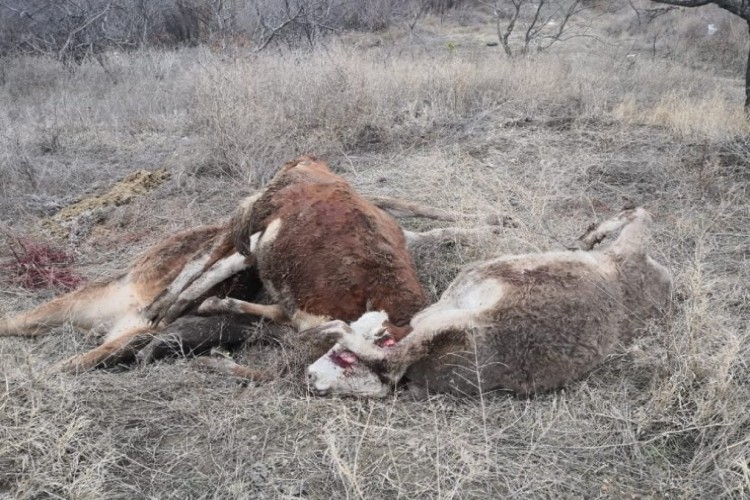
[36,265]
[556,141]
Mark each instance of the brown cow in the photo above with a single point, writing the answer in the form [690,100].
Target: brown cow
[171,278]
[322,251]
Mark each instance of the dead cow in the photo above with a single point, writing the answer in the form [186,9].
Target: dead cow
[322,251]
[524,323]
[117,305]
[335,257]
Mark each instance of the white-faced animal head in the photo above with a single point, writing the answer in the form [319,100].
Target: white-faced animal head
[340,372]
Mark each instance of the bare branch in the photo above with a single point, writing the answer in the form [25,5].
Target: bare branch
[685,3]
[86,24]
[275,31]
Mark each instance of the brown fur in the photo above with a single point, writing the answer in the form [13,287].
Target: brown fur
[336,255]
[117,304]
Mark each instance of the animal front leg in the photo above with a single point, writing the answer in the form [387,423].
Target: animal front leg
[220,271]
[596,233]
[215,305]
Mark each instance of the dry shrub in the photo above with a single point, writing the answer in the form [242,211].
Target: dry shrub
[682,35]
[710,117]
[340,100]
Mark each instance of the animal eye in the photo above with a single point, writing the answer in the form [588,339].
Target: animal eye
[380,332]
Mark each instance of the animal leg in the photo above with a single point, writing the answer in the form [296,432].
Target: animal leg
[194,335]
[221,270]
[215,305]
[635,236]
[193,270]
[448,234]
[401,209]
[120,347]
[83,308]
[221,364]
[240,226]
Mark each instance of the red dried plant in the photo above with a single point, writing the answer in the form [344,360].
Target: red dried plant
[38,265]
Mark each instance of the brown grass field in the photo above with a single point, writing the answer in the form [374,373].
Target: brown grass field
[556,140]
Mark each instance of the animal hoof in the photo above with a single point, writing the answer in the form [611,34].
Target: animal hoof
[211,305]
[214,363]
[70,365]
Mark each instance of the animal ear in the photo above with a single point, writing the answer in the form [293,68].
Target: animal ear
[241,229]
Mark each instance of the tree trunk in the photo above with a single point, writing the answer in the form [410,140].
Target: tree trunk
[747,77]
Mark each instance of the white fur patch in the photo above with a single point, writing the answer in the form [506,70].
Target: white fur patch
[326,376]
[369,322]
[340,372]
[254,240]
[270,234]
[480,296]
[221,270]
[248,202]
[188,272]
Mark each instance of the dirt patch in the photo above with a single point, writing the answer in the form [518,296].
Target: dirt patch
[138,183]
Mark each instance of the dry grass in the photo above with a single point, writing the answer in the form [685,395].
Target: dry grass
[555,141]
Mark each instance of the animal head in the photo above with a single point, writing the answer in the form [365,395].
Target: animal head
[339,371]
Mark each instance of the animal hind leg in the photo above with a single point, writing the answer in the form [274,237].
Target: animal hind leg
[636,235]
[215,305]
[402,208]
[83,308]
[219,271]
[448,234]
[191,271]
[119,348]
